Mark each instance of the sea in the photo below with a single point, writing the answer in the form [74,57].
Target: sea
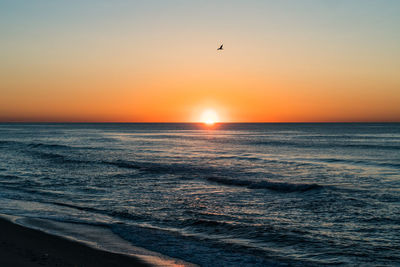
[229,194]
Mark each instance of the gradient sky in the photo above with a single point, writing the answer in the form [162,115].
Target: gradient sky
[156,61]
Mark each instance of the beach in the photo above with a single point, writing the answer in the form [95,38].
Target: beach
[22,246]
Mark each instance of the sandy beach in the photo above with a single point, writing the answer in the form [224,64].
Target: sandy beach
[21,246]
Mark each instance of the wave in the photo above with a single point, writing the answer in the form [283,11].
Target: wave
[323,145]
[59,158]
[57,146]
[162,168]
[40,145]
[10,181]
[9,177]
[214,226]
[74,206]
[4,143]
[358,162]
[274,186]
[113,213]
[51,146]
[52,156]
[346,137]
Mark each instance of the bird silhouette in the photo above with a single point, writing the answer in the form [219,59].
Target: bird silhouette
[221,47]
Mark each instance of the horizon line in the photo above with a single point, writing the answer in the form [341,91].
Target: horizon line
[200,122]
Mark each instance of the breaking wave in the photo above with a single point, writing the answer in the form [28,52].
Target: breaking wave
[270,185]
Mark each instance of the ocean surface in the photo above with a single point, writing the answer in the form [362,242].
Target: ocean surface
[226,195]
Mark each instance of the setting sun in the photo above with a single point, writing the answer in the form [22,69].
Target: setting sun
[218,120]
[209,117]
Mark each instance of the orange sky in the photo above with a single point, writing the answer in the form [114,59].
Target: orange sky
[163,66]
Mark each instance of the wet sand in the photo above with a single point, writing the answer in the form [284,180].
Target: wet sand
[21,246]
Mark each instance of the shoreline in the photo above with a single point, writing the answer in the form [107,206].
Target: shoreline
[27,241]
[23,246]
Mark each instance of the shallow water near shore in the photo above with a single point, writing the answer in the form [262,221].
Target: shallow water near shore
[97,237]
[226,195]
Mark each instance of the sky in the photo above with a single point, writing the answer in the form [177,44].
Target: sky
[157,61]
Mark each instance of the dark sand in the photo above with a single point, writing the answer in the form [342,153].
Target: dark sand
[21,246]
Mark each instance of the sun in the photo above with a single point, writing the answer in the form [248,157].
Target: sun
[209,117]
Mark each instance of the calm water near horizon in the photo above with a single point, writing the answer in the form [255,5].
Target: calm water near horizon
[230,195]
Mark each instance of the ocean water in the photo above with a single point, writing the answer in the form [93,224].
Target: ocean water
[227,195]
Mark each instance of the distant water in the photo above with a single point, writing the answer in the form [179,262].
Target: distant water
[234,195]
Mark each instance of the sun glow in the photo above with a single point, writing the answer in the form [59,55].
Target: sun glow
[209,117]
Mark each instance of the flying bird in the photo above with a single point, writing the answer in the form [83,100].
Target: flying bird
[221,47]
